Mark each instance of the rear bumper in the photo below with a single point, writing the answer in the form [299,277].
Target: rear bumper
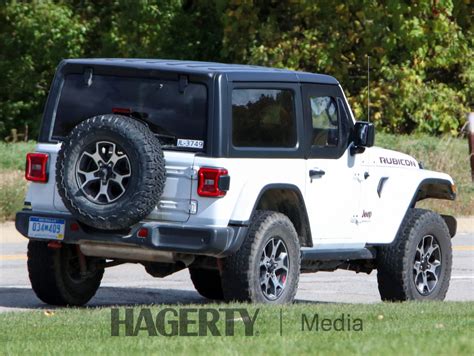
[208,240]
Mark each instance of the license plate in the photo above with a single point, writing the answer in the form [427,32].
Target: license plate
[46,228]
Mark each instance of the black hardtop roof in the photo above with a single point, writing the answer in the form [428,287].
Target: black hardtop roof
[234,72]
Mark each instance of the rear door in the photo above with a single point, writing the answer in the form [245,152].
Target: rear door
[175,108]
[174,204]
[332,174]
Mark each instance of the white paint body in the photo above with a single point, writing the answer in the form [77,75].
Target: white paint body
[343,206]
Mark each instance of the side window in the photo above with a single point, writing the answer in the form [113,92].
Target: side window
[325,123]
[263,118]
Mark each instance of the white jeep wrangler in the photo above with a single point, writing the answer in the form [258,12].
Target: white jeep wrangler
[246,175]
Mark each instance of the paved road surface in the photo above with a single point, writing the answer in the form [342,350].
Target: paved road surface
[131,285]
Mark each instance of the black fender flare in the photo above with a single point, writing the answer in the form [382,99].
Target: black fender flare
[437,188]
[302,208]
[434,188]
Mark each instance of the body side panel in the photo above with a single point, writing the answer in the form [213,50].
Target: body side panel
[390,189]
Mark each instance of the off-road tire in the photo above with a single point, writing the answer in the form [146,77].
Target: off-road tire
[50,280]
[207,283]
[241,271]
[395,262]
[145,184]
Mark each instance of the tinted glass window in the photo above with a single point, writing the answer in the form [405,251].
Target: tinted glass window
[263,118]
[160,103]
[325,121]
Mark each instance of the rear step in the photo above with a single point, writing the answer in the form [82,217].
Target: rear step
[313,254]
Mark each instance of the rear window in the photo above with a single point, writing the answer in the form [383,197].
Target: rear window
[170,113]
[263,118]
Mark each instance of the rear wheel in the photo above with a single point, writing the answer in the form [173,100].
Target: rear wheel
[417,266]
[56,276]
[207,283]
[266,268]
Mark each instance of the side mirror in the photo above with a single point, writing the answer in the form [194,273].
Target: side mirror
[364,136]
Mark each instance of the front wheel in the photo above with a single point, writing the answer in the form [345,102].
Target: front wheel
[56,276]
[417,266]
[266,268]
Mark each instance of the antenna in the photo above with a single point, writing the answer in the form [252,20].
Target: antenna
[368,88]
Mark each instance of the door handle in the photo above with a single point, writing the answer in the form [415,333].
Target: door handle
[314,173]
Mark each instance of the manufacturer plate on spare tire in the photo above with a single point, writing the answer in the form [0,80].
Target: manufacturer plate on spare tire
[46,228]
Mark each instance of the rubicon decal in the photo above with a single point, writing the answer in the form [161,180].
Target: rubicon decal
[397,161]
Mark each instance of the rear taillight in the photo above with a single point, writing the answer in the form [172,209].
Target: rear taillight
[213,182]
[37,167]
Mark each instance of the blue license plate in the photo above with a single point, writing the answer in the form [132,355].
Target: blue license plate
[46,228]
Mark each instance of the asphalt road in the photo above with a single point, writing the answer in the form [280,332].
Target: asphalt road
[131,285]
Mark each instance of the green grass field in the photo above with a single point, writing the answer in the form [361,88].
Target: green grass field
[445,154]
[12,155]
[12,182]
[437,328]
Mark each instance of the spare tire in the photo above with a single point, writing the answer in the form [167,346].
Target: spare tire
[110,171]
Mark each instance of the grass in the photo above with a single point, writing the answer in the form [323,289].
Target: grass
[445,154]
[12,193]
[432,328]
[12,155]
[12,182]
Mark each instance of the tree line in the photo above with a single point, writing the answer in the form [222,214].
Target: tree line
[421,52]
